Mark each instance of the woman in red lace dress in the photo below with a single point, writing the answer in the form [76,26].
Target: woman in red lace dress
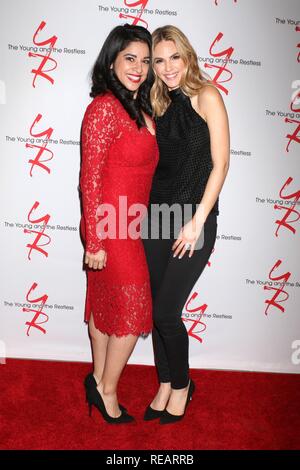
[119,156]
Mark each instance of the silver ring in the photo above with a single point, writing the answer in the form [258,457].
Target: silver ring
[188,246]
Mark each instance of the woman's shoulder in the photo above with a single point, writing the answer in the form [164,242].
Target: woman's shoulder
[207,99]
[104,105]
[209,92]
[106,99]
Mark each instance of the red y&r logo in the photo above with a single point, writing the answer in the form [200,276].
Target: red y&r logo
[284,222]
[38,313]
[136,19]
[227,53]
[295,137]
[195,322]
[35,245]
[45,58]
[278,290]
[42,148]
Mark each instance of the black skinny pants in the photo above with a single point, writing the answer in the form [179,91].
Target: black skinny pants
[172,279]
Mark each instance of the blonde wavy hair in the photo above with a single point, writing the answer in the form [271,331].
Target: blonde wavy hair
[192,80]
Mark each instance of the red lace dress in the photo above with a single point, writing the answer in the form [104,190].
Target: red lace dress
[118,159]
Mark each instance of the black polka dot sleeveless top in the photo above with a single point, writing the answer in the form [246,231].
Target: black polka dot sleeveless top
[185,159]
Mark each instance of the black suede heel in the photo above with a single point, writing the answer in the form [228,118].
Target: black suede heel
[167,417]
[150,414]
[94,398]
[89,383]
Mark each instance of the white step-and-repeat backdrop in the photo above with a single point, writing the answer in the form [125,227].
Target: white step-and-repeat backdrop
[244,312]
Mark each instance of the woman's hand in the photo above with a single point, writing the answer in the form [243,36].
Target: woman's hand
[96,260]
[187,238]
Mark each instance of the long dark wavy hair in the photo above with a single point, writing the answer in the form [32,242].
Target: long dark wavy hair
[104,78]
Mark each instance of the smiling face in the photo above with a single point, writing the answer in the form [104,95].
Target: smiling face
[132,64]
[168,64]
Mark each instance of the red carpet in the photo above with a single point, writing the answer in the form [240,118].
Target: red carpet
[43,407]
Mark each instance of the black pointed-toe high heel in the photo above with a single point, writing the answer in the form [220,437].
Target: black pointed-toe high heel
[150,413]
[89,383]
[167,417]
[94,398]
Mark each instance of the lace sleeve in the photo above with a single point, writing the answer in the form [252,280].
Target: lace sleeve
[98,131]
